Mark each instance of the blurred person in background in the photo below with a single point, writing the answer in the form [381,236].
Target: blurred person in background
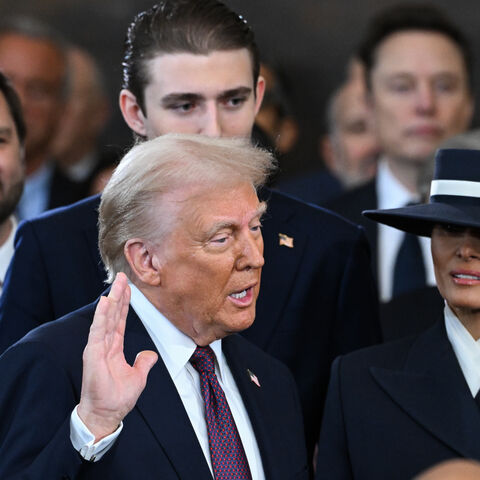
[33,57]
[349,149]
[418,68]
[76,147]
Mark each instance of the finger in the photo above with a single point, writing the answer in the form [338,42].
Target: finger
[144,362]
[116,298]
[99,322]
[118,287]
[122,314]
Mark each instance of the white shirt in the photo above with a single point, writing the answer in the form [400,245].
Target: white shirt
[6,251]
[466,348]
[392,194]
[36,192]
[176,348]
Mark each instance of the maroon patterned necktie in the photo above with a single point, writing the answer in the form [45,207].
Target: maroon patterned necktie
[229,461]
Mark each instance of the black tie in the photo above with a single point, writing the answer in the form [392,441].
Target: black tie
[409,270]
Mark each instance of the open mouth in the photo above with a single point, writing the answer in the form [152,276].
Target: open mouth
[466,277]
[242,297]
[239,295]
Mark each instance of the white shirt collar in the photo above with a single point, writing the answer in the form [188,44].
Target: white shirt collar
[7,249]
[390,192]
[174,346]
[466,348]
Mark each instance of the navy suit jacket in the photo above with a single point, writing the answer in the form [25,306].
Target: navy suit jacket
[41,382]
[317,299]
[397,409]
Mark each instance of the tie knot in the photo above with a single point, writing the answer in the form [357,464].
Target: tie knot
[203,359]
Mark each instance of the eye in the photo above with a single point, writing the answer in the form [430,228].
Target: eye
[235,102]
[445,85]
[400,85]
[452,229]
[183,107]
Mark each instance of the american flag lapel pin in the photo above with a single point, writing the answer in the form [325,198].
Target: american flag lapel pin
[253,377]
[285,240]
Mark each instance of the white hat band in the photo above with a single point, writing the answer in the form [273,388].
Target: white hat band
[460,188]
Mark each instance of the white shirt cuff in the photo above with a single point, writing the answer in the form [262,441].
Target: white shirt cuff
[82,439]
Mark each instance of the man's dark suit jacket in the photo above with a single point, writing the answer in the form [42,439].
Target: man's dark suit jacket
[41,381]
[319,187]
[414,311]
[317,299]
[395,409]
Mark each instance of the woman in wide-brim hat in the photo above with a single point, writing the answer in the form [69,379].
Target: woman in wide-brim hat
[398,408]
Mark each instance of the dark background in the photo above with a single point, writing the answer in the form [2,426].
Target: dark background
[309,41]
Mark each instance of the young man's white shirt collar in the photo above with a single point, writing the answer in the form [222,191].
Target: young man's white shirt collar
[392,194]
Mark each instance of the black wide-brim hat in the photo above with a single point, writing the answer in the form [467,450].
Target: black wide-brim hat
[454,196]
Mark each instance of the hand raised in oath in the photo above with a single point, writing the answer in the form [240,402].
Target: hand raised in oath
[110,386]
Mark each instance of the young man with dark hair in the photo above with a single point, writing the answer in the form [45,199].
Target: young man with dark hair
[317,298]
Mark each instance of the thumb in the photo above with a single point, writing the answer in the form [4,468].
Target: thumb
[144,362]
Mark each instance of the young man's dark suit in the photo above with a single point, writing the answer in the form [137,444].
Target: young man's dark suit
[317,300]
[41,381]
[396,409]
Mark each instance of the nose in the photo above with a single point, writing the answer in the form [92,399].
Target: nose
[425,99]
[468,246]
[251,253]
[211,126]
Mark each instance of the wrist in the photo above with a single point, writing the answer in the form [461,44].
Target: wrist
[99,424]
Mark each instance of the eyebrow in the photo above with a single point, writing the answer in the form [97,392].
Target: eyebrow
[226,224]
[195,97]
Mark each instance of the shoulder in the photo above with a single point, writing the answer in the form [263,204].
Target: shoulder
[357,199]
[390,355]
[305,215]
[82,214]
[65,338]
[317,187]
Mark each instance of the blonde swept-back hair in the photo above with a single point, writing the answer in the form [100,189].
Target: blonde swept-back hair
[132,203]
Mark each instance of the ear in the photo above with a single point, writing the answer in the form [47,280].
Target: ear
[143,261]
[259,93]
[132,113]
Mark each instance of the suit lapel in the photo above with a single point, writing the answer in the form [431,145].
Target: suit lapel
[162,409]
[257,402]
[278,277]
[431,389]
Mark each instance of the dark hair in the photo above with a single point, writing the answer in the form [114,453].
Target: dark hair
[14,106]
[174,26]
[401,18]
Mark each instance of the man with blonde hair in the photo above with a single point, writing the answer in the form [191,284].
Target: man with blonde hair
[182,218]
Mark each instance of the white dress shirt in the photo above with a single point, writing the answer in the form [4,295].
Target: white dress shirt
[6,251]
[36,192]
[392,194]
[466,348]
[175,349]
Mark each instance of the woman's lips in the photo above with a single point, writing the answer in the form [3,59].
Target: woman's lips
[465,277]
